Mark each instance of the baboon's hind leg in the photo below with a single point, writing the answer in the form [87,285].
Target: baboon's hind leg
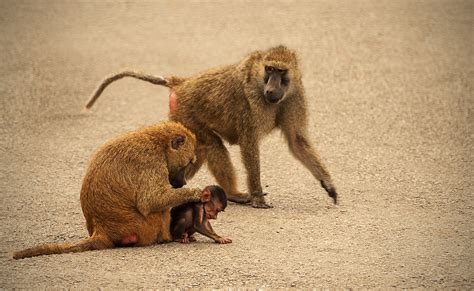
[220,165]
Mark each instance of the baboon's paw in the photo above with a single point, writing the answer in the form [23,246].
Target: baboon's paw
[330,190]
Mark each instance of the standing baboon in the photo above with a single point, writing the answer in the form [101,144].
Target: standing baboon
[241,103]
[127,191]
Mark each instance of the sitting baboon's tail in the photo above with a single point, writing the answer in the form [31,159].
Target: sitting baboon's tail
[92,243]
[157,80]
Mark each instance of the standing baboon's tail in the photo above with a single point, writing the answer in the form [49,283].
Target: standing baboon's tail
[157,80]
[92,243]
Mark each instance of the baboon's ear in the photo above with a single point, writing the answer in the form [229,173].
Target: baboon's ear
[178,141]
[206,195]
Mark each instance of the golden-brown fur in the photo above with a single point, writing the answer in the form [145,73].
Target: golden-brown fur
[126,189]
[229,103]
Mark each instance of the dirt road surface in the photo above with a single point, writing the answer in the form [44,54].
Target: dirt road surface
[390,94]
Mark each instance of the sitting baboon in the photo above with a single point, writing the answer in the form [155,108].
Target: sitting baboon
[128,190]
[241,103]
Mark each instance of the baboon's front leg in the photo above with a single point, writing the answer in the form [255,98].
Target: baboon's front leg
[293,122]
[251,158]
[162,198]
[301,148]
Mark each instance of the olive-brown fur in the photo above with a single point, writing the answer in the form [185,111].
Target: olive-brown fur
[126,189]
[228,103]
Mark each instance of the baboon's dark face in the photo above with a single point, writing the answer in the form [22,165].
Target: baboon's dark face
[276,84]
[181,154]
[178,179]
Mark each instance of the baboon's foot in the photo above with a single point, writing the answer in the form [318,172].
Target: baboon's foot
[185,238]
[330,189]
[258,201]
[238,197]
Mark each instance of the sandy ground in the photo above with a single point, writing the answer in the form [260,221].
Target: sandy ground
[390,92]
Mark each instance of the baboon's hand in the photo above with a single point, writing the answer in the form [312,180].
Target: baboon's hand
[330,189]
[258,201]
[223,240]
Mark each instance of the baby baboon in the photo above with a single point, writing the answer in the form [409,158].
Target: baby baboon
[194,217]
[242,103]
[126,194]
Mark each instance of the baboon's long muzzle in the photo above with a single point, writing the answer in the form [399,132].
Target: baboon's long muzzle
[273,92]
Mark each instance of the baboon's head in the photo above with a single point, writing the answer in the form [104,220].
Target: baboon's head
[279,71]
[180,152]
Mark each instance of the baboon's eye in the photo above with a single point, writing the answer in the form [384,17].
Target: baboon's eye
[178,141]
[269,69]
